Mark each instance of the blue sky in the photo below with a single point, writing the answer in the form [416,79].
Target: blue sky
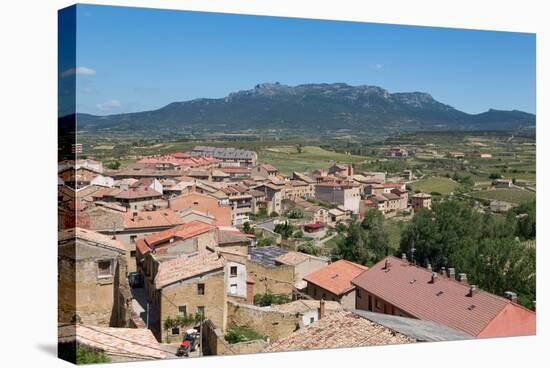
[132,59]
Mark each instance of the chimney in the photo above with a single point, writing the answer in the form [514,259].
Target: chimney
[451,273]
[463,278]
[321,308]
[443,272]
[429,267]
[404,257]
[250,290]
[134,216]
[473,290]
[387,264]
[511,296]
[434,277]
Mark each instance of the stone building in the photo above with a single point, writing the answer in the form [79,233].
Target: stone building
[190,284]
[92,286]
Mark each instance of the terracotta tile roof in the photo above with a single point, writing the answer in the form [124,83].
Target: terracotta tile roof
[304,305]
[339,330]
[203,203]
[409,288]
[131,343]
[159,218]
[181,232]
[232,236]
[337,276]
[138,192]
[187,266]
[91,237]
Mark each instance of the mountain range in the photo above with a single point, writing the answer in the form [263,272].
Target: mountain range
[310,107]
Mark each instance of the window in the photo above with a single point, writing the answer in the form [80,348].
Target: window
[233,289]
[133,238]
[133,253]
[105,268]
[233,271]
[311,320]
[175,330]
[358,293]
[200,289]
[200,310]
[370,303]
[182,310]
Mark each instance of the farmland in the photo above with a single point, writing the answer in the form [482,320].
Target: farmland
[510,195]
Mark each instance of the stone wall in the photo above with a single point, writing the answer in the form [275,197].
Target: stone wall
[214,343]
[276,279]
[269,323]
[186,294]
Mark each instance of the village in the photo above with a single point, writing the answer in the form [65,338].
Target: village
[211,252]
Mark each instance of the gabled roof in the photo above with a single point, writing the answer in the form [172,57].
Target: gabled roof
[131,343]
[204,203]
[339,330]
[91,237]
[446,301]
[181,232]
[336,277]
[186,266]
[159,218]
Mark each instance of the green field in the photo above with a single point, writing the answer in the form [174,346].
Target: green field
[510,195]
[435,184]
[287,158]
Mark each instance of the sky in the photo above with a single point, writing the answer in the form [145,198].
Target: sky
[134,59]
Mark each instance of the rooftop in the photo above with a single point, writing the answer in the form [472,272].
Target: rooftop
[91,237]
[445,301]
[339,330]
[160,218]
[181,232]
[132,343]
[337,276]
[266,256]
[416,328]
[186,266]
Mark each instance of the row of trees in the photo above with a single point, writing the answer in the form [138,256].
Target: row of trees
[365,242]
[486,246]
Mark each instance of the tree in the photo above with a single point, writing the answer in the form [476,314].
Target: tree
[308,248]
[482,245]
[114,165]
[286,230]
[247,229]
[296,213]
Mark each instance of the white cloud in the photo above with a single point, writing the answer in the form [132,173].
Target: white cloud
[82,70]
[109,105]
[376,66]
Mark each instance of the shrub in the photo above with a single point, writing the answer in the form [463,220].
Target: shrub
[267,299]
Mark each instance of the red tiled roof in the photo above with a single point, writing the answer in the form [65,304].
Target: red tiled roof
[131,343]
[138,192]
[160,218]
[340,329]
[205,204]
[337,276]
[185,231]
[409,288]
